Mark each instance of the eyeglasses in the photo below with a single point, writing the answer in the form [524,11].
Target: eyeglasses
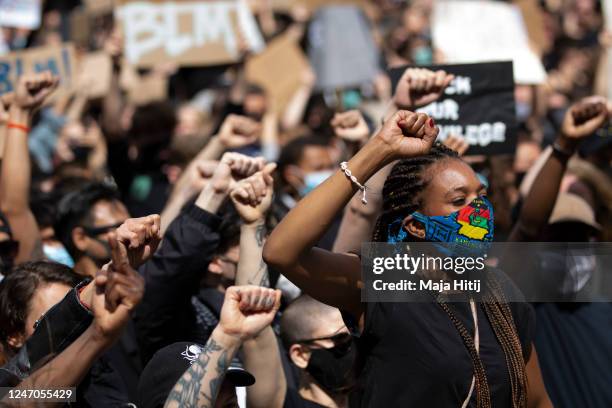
[95,231]
[9,249]
[342,341]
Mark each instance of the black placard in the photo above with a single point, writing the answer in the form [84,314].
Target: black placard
[478,105]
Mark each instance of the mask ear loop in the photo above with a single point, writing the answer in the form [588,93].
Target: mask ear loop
[477,346]
[392,237]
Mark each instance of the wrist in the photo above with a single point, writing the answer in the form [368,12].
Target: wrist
[99,338]
[211,199]
[19,115]
[252,225]
[225,339]
[565,146]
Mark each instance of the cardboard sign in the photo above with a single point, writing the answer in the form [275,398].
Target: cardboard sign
[478,31]
[20,13]
[312,5]
[95,72]
[59,60]
[534,22]
[342,50]
[99,7]
[190,32]
[478,105]
[279,70]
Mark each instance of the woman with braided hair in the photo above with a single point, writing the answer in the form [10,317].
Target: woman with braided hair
[429,354]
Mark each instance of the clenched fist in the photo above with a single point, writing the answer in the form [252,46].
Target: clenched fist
[408,134]
[33,89]
[239,131]
[419,87]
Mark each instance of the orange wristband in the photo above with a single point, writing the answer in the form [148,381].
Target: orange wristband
[12,125]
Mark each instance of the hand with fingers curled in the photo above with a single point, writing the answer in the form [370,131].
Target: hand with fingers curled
[141,237]
[350,126]
[408,134]
[33,89]
[419,87]
[457,143]
[239,131]
[247,310]
[232,168]
[582,120]
[252,196]
[118,290]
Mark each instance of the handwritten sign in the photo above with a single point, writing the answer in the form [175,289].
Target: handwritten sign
[20,13]
[99,7]
[58,60]
[190,33]
[468,31]
[478,105]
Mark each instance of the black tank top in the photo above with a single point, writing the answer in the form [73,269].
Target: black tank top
[411,355]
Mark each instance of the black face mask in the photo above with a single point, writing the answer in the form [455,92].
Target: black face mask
[332,368]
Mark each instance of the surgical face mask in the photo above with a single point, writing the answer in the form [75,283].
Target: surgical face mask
[422,56]
[332,368]
[57,253]
[567,273]
[469,230]
[313,179]
[523,111]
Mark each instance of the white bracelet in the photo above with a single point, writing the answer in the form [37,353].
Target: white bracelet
[347,172]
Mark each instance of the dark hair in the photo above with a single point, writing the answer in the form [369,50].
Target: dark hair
[254,89]
[301,318]
[74,210]
[229,229]
[18,288]
[44,209]
[403,188]
[402,196]
[153,124]
[293,151]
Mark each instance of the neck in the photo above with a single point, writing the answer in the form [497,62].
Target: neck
[311,391]
[86,266]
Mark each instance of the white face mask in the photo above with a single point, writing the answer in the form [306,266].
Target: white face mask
[313,179]
[58,254]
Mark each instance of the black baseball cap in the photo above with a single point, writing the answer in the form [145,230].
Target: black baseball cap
[168,365]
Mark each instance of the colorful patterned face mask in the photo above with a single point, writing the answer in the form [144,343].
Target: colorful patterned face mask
[468,230]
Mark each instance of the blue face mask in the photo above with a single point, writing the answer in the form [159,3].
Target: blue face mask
[469,230]
[58,254]
[422,56]
[313,179]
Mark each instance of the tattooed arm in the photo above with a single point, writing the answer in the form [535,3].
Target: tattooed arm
[252,198]
[246,311]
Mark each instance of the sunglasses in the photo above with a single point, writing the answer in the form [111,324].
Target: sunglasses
[9,249]
[95,231]
[342,341]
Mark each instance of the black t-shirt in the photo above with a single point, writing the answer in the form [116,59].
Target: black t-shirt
[413,356]
[294,400]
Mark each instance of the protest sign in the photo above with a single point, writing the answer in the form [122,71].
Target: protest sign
[534,22]
[20,13]
[189,33]
[95,72]
[478,31]
[279,70]
[312,5]
[478,105]
[58,60]
[342,51]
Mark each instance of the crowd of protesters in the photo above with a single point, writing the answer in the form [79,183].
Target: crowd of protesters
[204,250]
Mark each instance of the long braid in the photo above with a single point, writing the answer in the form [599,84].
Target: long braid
[401,196]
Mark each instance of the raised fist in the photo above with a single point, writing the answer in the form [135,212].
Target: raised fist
[141,237]
[583,118]
[252,196]
[350,126]
[33,89]
[408,134]
[419,87]
[239,131]
[232,168]
[247,310]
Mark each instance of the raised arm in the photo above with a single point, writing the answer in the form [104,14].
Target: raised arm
[580,121]
[116,295]
[252,198]
[31,92]
[335,278]
[245,312]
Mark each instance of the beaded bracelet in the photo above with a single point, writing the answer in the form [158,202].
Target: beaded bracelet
[347,172]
